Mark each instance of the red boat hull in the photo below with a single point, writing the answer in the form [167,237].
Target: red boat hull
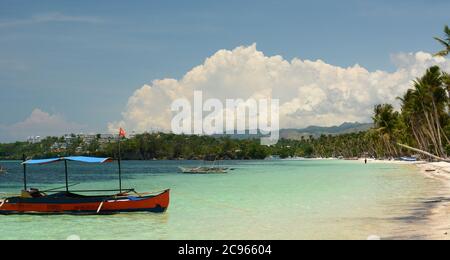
[76,204]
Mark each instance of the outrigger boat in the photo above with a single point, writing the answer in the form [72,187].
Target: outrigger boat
[203,170]
[215,168]
[33,201]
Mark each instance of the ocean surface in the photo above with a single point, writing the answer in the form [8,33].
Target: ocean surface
[280,199]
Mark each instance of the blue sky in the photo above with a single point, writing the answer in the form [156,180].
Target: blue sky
[82,60]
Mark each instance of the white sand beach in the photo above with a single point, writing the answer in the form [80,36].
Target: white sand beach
[440,214]
[438,217]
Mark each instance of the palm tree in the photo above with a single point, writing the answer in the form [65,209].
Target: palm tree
[424,112]
[444,42]
[385,120]
[384,117]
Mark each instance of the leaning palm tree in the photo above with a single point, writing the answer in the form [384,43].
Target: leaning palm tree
[445,42]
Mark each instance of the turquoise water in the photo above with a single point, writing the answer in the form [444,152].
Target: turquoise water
[258,200]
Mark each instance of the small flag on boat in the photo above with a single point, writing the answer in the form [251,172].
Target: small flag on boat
[122,133]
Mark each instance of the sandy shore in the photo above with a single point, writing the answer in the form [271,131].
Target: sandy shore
[437,224]
[439,218]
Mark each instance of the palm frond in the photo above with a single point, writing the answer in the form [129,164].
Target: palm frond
[447,31]
[442,53]
[444,43]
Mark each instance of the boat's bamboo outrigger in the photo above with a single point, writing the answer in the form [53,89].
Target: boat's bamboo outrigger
[33,201]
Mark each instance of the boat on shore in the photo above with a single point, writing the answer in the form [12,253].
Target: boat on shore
[408,159]
[34,201]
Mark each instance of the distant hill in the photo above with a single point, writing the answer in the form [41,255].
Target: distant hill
[316,131]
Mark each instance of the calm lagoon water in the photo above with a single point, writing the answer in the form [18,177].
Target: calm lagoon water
[258,200]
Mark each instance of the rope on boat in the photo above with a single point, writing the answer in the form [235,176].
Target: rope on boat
[100,207]
[142,194]
[55,189]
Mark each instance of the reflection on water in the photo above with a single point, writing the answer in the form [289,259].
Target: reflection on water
[259,200]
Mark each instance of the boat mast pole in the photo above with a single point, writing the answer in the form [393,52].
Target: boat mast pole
[67,176]
[120,167]
[24,158]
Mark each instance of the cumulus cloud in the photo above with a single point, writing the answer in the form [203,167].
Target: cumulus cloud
[39,123]
[310,92]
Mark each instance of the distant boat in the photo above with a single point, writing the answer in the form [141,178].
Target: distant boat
[3,170]
[273,158]
[408,159]
[215,168]
[203,170]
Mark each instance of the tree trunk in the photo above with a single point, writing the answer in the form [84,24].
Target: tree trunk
[424,152]
[438,128]
[431,133]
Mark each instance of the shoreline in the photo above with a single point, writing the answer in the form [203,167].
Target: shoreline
[434,223]
[437,222]
[439,218]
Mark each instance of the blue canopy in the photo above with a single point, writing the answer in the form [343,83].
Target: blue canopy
[43,161]
[84,159]
[70,158]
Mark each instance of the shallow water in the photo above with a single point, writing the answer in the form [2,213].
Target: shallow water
[258,200]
